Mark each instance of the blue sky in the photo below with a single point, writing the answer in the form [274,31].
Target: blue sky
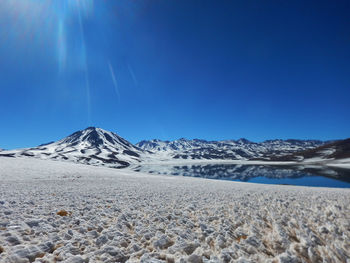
[170,69]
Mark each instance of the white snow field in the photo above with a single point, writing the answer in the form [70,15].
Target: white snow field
[111,215]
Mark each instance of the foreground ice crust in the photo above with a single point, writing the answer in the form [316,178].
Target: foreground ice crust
[123,216]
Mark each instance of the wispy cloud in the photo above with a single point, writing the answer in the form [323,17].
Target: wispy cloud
[114,79]
[132,74]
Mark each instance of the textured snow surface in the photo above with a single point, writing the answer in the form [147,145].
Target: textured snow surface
[110,215]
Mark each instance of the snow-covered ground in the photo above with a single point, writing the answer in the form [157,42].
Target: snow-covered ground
[111,215]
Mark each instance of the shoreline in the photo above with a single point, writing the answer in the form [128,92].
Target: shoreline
[341,163]
[322,163]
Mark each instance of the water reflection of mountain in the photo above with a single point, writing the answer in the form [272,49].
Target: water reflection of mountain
[246,172]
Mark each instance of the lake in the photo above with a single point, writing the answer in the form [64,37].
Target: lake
[317,176]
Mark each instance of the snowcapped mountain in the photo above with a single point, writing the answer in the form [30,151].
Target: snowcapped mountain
[241,149]
[338,150]
[93,146]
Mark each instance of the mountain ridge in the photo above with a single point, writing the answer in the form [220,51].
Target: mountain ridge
[226,149]
[96,146]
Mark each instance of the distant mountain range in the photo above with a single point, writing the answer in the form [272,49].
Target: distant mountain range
[96,146]
[335,150]
[241,149]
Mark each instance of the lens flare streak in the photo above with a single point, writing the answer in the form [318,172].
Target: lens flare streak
[85,66]
[61,45]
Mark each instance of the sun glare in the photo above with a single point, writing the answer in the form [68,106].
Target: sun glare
[57,26]
[44,21]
